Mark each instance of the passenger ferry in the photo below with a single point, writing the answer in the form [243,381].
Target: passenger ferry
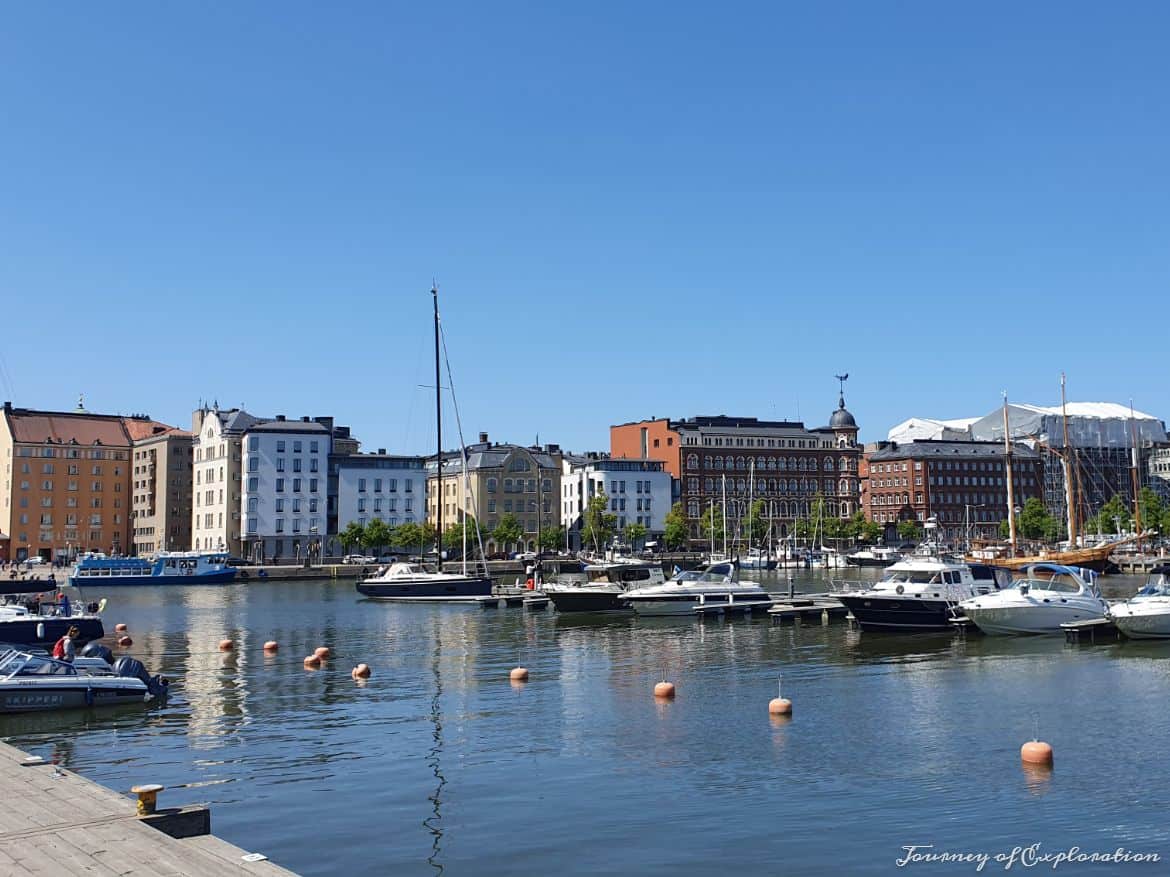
[167,568]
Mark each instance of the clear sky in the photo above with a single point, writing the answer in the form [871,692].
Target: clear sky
[632,209]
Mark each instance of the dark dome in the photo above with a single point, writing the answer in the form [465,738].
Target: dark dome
[841,418]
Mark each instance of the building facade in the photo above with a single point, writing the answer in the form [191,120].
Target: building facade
[217,436]
[381,486]
[284,488]
[501,479]
[783,463]
[962,485]
[162,459]
[66,486]
[639,491]
[652,439]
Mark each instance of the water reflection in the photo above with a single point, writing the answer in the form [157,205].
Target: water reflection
[433,823]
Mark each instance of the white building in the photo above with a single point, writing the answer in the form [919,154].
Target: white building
[283,503]
[639,491]
[215,507]
[380,486]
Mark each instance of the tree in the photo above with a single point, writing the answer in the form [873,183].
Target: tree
[871,532]
[758,531]
[453,536]
[1034,522]
[598,525]
[1152,509]
[1005,529]
[551,538]
[508,531]
[352,535]
[1112,517]
[634,533]
[407,536]
[377,535]
[909,530]
[427,535]
[676,528]
[711,523]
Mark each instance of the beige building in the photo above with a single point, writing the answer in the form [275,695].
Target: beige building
[161,488]
[502,479]
[215,510]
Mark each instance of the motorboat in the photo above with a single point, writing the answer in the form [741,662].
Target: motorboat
[31,682]
[757,559]
[166,568]
[715,588]
[918,593]
[603,584]
[1042,598]
[879,555]
[39,624]
[1146,615]
[413,583]
[827,558]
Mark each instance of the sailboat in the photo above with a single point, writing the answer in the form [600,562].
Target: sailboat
[413,582]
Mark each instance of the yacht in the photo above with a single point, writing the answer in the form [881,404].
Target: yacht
[1044,597]
[757,559]
[879,555]
[602,586]
[688,593]
[414,583]
[35,624]
[31,682]
[919,592]
[1146,615]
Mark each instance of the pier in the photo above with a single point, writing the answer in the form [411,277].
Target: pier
[58,822]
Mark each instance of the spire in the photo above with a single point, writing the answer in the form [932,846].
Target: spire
[842,378]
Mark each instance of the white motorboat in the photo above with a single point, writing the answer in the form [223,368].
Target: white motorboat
[920,592]
[1043,598]
[714,588]
[31,682]
[1146,615]
[757,559]
[603,584]
[879,555]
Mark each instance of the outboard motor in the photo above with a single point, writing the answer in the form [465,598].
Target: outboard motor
[97,650]
[156,685]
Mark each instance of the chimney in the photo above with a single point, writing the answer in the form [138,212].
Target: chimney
[305,419]
[280,418]
[382,451]
[483,437]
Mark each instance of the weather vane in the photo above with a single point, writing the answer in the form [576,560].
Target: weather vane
[842,378]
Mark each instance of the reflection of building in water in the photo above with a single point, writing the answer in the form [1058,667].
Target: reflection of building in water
[215,692]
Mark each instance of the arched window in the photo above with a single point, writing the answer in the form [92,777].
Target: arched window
[812,464]
[718,462]
[761,463]
[792,464]
[692,461]
[742,485]
[693,509]
[845,467]
[828,464]
[707,464]
[802,465]
[772,463]
[783,509]
[781,464]
[844,487]
[709,484]
[741,463]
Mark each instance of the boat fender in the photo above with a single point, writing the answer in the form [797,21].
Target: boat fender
[244,575]
[88,696]
[40,630]
[530,584]
[365,571]
[263,573]
[900,589]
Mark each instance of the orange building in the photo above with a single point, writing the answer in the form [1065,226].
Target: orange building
[652,439]
[66,486]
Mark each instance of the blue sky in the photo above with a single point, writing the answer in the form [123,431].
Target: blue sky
[632,209]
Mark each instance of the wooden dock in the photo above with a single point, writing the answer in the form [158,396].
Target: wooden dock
[1090,628]
[57,822]
[808,607]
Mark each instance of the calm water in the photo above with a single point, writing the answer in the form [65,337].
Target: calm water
[440,765]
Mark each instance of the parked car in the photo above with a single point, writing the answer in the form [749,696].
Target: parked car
[524,555]
[498,555]
[359,558]
[35,560]
[237,561]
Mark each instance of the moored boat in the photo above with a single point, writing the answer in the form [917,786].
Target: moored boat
[20,625]
[691,592]
[166,568]
[877,556]
[31,682]
[1043,598]
[603,584]
[414,583]
[1146,615]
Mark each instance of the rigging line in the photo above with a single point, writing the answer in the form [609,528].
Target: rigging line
[462,446]
[6,377]
[414,394]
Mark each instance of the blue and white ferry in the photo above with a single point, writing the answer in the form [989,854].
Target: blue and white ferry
[167,568]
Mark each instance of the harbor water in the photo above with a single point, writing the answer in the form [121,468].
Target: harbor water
[438,764]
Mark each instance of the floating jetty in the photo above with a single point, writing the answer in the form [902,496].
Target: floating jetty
[58,822]
[808,607]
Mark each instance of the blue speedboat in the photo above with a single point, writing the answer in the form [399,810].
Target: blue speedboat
[167,568]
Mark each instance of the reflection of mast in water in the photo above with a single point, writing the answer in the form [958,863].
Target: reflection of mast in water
[433,822]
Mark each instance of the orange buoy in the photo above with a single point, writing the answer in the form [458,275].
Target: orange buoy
[664,689]
[322,652]
[1036,752]
[226,645]
[361,671]
[120,628]
[519,674]
[271,646]
[312,662]
[125,641]
[780,706]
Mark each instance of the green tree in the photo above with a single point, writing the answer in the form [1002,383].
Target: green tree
[1005,529]
[508,532]
[864,530]
[1034,522]
[352,535]
[634,533]
[453,536]
[407,536]
[758,531]
[428,536]
[676,533]
[1152,509]
[598,525]
[1111,517]
[909,530]
[551,538]
[711,523]
[377,535]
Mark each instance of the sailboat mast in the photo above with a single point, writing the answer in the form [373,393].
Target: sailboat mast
[724,516]
[1066,461]
[1137,490]
[438,436]
[1007,467]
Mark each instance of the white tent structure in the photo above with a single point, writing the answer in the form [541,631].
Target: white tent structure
[1090,425]
[926,428]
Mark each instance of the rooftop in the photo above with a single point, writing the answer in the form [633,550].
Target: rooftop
[929,448]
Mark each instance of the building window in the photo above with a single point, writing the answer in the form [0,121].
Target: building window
[280,485]
[280,446]
[279,528]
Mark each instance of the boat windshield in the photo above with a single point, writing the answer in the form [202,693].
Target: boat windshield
[914,577]
[719,572]
[1061,582]
[23,664]
[691,575]
[1157,586]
